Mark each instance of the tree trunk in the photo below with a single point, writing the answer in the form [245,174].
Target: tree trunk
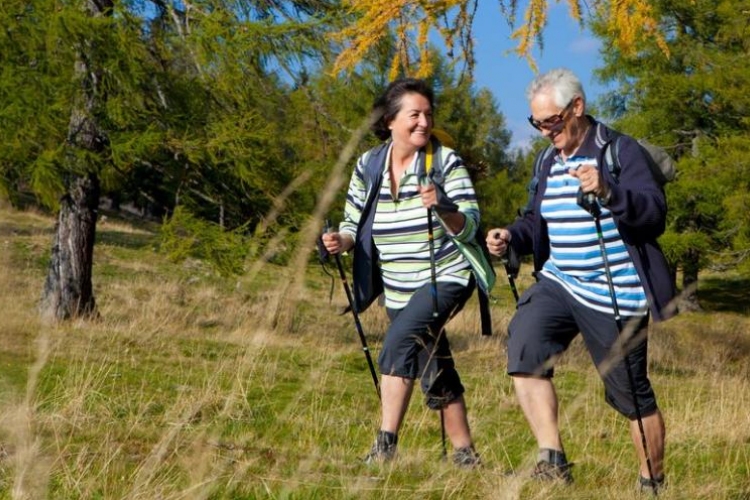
[689,298]
[68,291]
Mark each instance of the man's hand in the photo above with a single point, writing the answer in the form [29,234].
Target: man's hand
[497,241]
[591,180]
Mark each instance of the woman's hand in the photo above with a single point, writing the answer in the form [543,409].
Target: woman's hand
[453,219]
[337,242]
[429,194]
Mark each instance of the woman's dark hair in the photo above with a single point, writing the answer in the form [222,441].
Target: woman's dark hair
[389,104]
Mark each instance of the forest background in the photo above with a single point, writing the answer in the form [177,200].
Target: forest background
[198,146]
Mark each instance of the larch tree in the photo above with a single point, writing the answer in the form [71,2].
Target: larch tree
[165,100]
[68,290]
[412,21]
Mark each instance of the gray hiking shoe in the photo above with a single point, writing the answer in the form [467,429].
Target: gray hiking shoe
[552,465]
[466,458]
[384,448]
[651,486]
[547,471]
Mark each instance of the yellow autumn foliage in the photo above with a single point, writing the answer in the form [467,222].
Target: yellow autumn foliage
[412,21]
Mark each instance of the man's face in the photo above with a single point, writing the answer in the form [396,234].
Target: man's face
[552,120]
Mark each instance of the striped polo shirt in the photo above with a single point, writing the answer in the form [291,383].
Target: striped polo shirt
[400,228]
[575,254]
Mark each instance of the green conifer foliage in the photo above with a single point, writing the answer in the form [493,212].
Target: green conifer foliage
[695,103]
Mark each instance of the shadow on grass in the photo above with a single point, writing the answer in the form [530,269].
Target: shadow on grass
[147,235]
[22,229]
[725,294]
[133,241]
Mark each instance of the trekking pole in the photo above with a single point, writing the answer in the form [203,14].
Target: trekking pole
[442,433]
[511,280]
[424,182]
[357,324]
[512,273]
[433,277]
[593,208]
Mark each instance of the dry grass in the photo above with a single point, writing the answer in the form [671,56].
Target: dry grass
[190,386]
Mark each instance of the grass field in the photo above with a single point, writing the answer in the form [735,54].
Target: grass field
[192,386]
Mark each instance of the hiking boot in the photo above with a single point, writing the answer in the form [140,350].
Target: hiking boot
[466,458]
[651,486]
[384,448]
[552,465]
[547,471]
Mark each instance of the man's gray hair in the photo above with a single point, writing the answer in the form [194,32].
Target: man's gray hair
[561,83]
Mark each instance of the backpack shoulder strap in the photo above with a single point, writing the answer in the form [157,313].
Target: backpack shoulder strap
[541,157]
[533,185]
[429,157]
[431,161]
[612,156]
[373,169]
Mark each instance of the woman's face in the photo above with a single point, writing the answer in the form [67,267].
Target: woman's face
[412,125]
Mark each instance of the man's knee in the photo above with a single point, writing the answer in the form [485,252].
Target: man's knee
[442,390]
[624,402]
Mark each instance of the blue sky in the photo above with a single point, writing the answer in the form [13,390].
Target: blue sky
[565,44]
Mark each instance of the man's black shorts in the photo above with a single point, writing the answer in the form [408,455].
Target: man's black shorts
[548,319]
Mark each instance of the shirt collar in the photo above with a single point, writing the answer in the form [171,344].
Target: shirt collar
[411,169]
[589,146]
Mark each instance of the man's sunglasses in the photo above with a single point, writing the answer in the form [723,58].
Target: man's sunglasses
[552,123]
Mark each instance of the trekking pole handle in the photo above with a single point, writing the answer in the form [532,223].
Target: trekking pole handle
[511,273]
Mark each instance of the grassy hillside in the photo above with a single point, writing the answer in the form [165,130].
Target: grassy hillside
[192,386]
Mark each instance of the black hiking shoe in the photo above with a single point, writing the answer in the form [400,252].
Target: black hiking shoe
[547,471]
[384,448]
[651,486]
[466,458]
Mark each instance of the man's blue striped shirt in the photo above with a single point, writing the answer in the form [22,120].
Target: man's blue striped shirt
[575,254]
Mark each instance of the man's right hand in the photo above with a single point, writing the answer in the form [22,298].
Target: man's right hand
[497,241]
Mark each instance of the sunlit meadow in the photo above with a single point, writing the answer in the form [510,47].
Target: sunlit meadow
[194,386]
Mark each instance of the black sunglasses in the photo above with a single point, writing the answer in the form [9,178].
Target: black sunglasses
[552,123]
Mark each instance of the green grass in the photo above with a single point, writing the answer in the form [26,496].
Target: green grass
[191,385]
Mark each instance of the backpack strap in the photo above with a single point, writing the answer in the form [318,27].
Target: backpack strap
[367,284]
[533,185]
[373,169]
[428,158]
[430,162]
[541,157]
[611,153]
